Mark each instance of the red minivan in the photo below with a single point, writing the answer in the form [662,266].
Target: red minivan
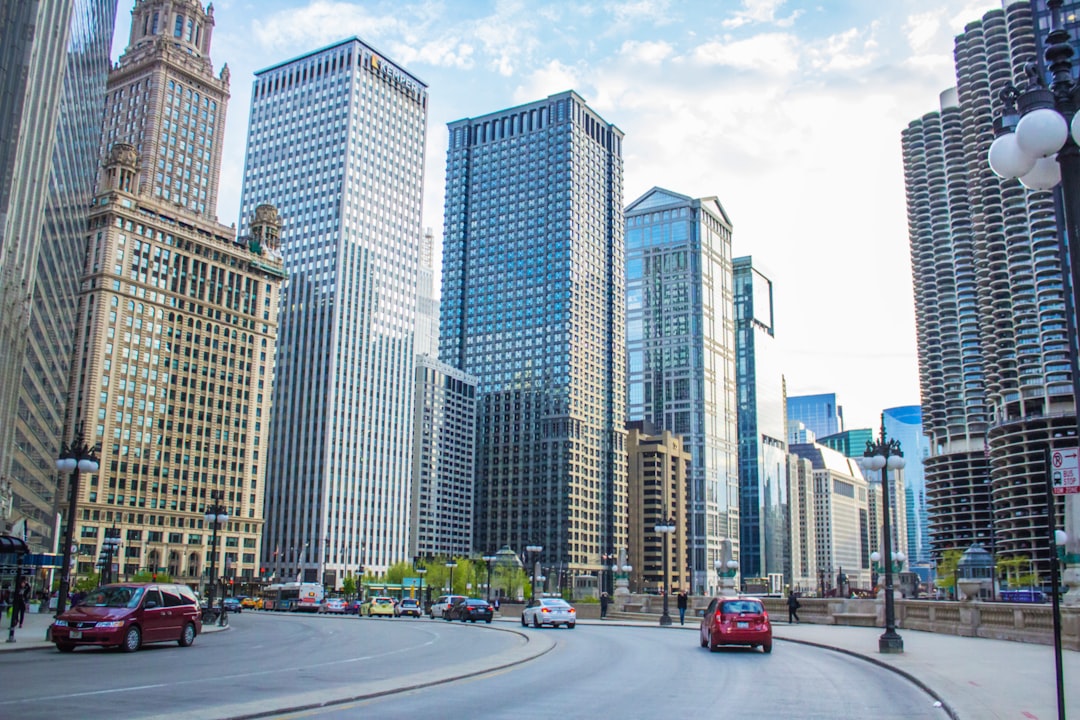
[127,615]
[736,621]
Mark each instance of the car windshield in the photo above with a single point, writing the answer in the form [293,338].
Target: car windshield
[383,601]
[556,603]
[410,603]
[740,606]
[114,597]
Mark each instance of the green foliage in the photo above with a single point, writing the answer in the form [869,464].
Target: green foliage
[86,583]
[1018,572]
[148,576]
[946,569]
[348,585]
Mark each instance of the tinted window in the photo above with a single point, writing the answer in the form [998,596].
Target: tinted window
[741,606]
[171,597]
[556,603]
[152,596]
[186,595]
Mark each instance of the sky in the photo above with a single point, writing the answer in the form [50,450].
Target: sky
[788,112]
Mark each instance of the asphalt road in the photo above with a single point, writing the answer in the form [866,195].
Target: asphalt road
[269,661]
[266,660]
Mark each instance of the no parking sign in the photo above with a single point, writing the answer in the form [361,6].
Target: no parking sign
[1065,471]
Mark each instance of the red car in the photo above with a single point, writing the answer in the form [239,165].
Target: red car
[127,615]
[736,621]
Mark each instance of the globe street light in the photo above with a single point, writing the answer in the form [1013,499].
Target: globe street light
[886,455]
[664,529]
[490,560]
[534,556]
[216,515]
[74,458]
[875,560]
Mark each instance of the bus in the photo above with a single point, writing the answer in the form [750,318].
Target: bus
[293,596]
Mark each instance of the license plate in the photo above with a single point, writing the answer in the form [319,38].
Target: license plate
[742,625]
[75,634]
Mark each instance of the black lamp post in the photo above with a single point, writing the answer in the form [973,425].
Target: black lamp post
[217,515]
[421,571]
[110,549]
[451,565]
[885,455]
[74,458]
[534,555]
[490,560]
[664,529]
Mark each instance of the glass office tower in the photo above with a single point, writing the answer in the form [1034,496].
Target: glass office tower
[337,139]
[763,490]
[819,413]
[46,357]
[533,306]
[680,343]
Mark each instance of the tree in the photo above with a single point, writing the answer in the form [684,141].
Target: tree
[348,585]
[87,582]
[946,570]
[148,576]
[1018,572]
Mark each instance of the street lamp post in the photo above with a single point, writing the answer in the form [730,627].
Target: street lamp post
[451,565]
[74,458]
[876,566]
[534,555]
[111,549]
[490,560]
[886,455]
[664,529]
[217,515]
[421,571]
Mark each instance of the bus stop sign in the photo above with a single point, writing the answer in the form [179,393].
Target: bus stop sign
[1065,471]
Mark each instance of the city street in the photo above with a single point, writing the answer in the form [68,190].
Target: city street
[270,661]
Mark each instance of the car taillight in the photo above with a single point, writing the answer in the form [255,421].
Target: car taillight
[572,611]
[545,610]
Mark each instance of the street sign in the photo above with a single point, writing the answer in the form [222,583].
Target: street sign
[1065,471]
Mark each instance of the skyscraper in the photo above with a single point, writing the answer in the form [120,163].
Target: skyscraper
[680,340]
[27,455]
[994,353]
[819,413]
[173,359]
[763,523]
[533,305]
[905,425]
[336,138]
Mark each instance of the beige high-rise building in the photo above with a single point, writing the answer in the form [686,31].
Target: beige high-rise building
[173,367]
[658,470]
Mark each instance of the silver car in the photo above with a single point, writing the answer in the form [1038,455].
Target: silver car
[549,611]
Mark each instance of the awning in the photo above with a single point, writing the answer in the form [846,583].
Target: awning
[12,544]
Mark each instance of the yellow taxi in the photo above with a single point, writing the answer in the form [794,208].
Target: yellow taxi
[251,603]
[378,605]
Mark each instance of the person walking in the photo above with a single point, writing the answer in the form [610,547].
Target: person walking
[681,602]
[21,602]
[792,607]
[603,604]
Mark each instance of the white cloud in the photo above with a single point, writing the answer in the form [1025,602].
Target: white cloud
[848,50]
[769,53]
[760,11]
[645,51]
[554,77]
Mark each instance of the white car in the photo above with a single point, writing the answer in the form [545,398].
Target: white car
[549,611]
[332,605]
[442,604]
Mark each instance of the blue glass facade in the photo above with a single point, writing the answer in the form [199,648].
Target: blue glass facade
[680,342]
[819,413]
[905,425]
[336,140]
[533,306]
[762,429]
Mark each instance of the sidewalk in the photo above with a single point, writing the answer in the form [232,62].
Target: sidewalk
[31,636]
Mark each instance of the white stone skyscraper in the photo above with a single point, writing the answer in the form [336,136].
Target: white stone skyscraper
[337,138]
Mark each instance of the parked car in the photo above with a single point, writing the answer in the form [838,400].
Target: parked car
[128,615]
[232,604]
[378,605]
[441,604]
[470,610]
[332,605]
[549,611]
[409,608]
[352,607]
[736,621]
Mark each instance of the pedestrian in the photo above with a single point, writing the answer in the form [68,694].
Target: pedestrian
[681,602]
[792,607]
[22,601]
[603,604]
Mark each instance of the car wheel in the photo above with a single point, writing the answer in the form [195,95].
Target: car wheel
[536,621]
[712,647]
[65,647]
[524,623]
[571,625]
[766,648]
[188,636]
[132,639]
[488,621]
[704,642]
